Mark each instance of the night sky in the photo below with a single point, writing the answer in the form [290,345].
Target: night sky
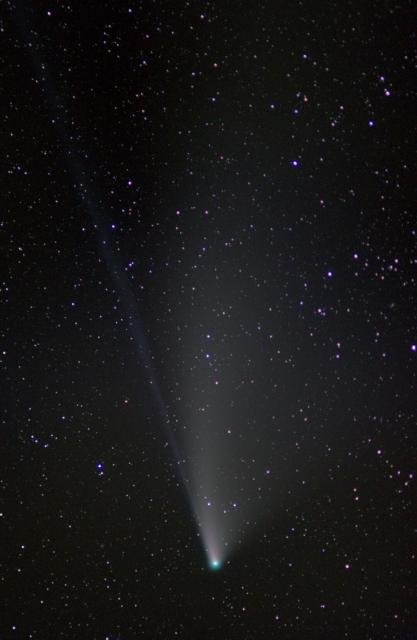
[208,320]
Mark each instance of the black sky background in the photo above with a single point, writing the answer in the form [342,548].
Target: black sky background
[251,170]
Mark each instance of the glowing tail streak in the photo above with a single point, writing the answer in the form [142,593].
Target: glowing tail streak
[74,158]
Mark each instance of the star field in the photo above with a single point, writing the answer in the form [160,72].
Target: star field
[209,330]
